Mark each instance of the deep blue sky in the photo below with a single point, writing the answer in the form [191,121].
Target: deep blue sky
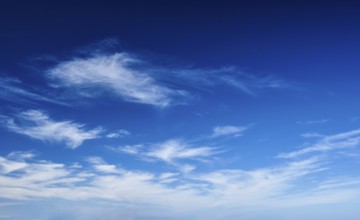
[180,110]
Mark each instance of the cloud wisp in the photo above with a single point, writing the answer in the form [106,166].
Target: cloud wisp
[328,143]
[322,121]
[228,130]
[13,90]
[229,76]
[38,125]
[173,152]
[101,70]
[118,134]
[113,73]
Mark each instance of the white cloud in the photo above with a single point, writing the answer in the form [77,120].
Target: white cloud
[328,143]
[228,130]
[114,73]
[168,151]
[128,149]
[100,165]
[43,179]
[118,134]
[258,186]
[38,125]
[8,166]
[130,78]
[167,175]
[141,81]
[171,150]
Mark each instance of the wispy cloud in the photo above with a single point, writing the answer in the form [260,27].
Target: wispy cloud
[259,185]
[36,124]
[328,143]
[44,179]
[322,121]
[14,90]
[102,68]
[118,134]
[312,135]
[228,130]
[228,76]
[128,149]
[113,73]
[173,152]
[105,70]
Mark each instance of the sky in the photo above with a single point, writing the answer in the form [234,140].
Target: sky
[215,110]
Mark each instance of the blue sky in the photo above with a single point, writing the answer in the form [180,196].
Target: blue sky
[181,110]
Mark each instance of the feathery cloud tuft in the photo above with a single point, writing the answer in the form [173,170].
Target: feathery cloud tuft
[171,150]
[38,125]
[118,134]
[113,73]
[328,143]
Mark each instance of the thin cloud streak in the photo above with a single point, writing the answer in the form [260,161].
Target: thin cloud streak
[38,125]
[175,149]
[228,130]
[322,121]
[118,134]
[229,76]
[328,143]
[13,90]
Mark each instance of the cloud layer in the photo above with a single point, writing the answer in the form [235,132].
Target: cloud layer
[23,176]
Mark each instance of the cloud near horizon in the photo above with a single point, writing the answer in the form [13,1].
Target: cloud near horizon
[24,177]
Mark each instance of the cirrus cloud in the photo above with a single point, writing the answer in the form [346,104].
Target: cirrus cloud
[113,73]
[38,125]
